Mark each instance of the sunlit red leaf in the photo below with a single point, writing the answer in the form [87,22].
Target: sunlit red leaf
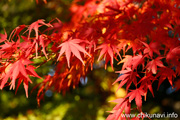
[3,37]
[137,95]
[18,70]
[137,60]
[17,31]
[108,50]
[122,104]
[127,77]
[72,46]
[152,65]
[35,26]
[127,61]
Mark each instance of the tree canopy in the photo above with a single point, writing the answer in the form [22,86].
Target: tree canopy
[138,39]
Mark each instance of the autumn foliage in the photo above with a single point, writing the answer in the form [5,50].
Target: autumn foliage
[143,36]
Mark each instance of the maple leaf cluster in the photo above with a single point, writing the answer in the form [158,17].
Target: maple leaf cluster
[142,35]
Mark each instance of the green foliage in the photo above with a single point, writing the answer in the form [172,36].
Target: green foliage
[15,12]
[18,12]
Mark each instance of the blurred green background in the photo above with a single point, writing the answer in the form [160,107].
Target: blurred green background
[87,102]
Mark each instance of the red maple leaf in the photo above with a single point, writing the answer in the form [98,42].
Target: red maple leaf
[137,95]
[127,61]
[18,70]
[165,73]
[43,41]
[56,26]
[7,46]
[137,60]
[146,82]
[36,25]
[132,62]
[107,50]
[26,46]
[3,37]
[17,31]
[127,77]
[72,46]
[7,49]
[123,104]
[152,65]
[173,55]
[153,47]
